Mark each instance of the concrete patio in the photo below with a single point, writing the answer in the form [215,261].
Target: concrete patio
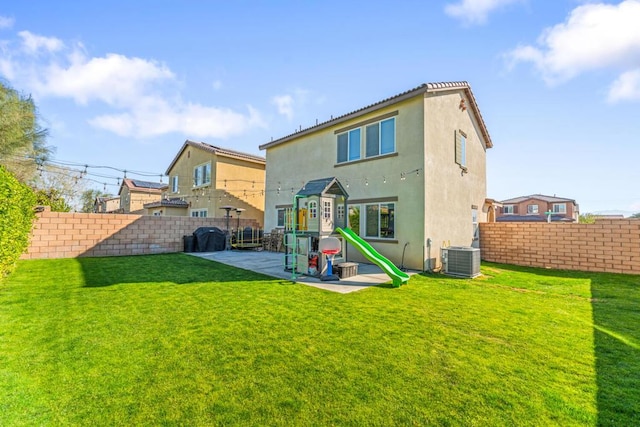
[272,264]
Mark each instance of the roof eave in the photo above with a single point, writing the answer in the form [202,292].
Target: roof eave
[422,89]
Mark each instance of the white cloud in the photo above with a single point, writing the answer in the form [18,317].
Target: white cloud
[626,87]
[594,36]
[114,79]
[154,117]
[284,103]
[32,43]
[141,94]
[6,22]
[475,11]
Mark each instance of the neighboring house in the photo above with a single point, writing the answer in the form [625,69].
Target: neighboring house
[413,167]
[135,193]
[538,208]
[206,178]
[106,204]
[168,207]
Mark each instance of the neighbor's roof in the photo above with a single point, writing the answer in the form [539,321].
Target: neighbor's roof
[167,203]
[224,152]
[532,218]
[142,186]
[424,88]
[549,199]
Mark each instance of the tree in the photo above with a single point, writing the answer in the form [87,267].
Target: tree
[22,139]
[53,198]
[587,218]
[89,197]
[60,187]
[636,215]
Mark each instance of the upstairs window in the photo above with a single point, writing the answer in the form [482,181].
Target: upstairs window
[174,184]
[559,208]
[349,146]
[461,149]
[508,209]
[532,209]
[380,138]
[202,175]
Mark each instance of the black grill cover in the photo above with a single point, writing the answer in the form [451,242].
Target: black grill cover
[209,239]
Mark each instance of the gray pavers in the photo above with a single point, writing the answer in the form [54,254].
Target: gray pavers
[272,264]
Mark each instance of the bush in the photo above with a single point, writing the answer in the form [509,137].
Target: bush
[16,219]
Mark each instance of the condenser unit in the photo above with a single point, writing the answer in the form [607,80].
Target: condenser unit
[461,261]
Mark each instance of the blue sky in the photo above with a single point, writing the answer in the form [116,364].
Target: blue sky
[123,84]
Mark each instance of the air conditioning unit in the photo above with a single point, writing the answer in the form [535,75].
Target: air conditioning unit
[461,261]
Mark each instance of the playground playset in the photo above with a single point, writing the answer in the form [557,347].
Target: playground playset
[316,234]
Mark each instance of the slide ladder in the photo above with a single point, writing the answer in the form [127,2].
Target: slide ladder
[397,276]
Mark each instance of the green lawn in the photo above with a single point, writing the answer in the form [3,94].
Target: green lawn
[178,340]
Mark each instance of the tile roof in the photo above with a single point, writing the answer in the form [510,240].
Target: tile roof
[532,218]
[225,152]
[423,88]
[142,186]
[549,199]
[169,203]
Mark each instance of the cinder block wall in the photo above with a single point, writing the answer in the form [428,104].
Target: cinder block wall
[70,235]
[608,245]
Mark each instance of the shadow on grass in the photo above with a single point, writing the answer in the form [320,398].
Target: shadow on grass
[615,302]
[163,268]
[616,319]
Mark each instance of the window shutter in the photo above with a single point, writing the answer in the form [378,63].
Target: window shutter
[515,209]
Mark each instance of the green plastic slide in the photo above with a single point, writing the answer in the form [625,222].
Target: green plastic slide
[398,276]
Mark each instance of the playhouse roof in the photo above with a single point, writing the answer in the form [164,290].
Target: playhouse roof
[323,186]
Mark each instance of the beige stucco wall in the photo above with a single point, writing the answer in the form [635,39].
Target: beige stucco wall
[243,188]
[450,193]
[433,201]
[313,156]
[134,201]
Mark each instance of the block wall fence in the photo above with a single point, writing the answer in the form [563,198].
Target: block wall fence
[610,245]
[71,235]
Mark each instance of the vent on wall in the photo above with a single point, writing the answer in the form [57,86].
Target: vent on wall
[461,261]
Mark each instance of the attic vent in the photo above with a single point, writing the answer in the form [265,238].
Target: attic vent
[461,261]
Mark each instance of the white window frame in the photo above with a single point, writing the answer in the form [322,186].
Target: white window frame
[340,211]
[461,149]
[363,223]
[326,209]
[560,208]
[174,184]
[313,209]
[199,213]
[507,209]
[533,209]
[202,174]
[362,143]
[379,124]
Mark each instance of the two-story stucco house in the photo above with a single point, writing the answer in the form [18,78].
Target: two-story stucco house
[413,166]
[203,178]
[135,193]
[538,208]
